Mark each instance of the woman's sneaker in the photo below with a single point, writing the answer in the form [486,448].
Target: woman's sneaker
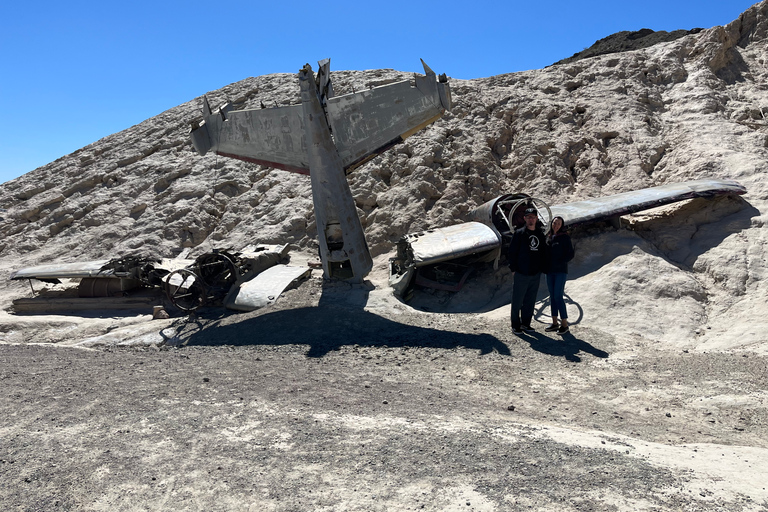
[552,327]
[563,329]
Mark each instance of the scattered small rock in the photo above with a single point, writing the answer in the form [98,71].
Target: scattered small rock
[159,313]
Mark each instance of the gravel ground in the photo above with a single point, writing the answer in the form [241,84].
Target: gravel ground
[321,404]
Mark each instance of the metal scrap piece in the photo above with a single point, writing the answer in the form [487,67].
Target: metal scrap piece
[442,244]
[75,270]
[265,288]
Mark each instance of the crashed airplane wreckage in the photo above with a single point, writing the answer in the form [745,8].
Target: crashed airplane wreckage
[242,281]
[443,258]
[327,136]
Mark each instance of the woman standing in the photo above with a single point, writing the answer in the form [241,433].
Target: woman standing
[560,253]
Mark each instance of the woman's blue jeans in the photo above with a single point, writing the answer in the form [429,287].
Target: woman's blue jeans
[556,286]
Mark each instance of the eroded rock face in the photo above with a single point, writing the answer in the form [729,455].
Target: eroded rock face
[691,108]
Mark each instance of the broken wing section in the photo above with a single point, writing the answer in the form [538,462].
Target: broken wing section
[603,208]
[417,252]
[54,271]
[428,248]
[264,289]
[367,123]
[442,244]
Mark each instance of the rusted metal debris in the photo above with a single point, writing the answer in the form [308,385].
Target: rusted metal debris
[188,284]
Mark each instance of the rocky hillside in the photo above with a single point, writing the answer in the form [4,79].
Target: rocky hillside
[685,109]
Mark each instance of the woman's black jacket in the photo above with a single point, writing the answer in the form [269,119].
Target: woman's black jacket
[560,253]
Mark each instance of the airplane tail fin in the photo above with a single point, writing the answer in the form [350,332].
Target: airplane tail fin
[364,124]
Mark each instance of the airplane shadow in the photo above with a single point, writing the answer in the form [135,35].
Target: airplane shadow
[569,347]
[337,320]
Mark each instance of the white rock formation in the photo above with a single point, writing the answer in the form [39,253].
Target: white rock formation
[693,274]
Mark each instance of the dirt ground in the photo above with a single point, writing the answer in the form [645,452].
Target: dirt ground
[338,398]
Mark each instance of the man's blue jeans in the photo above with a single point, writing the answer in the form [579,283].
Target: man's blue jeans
[524,290]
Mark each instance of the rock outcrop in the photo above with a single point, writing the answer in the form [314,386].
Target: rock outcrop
[626,41]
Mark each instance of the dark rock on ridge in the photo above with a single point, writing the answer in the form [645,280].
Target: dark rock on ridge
[627,41]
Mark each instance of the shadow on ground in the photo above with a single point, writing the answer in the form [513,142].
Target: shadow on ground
[337,320]
[327,328]
[568,346]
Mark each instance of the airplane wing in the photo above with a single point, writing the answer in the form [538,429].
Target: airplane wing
[62,271]
[601,208]
[367,123]
[273,137]
[438,245]
[145,270]
[497,216]
[364,124]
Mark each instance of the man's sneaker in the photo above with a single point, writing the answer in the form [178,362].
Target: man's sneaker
[552,327]
[563,329]
[528,328]
[517,330]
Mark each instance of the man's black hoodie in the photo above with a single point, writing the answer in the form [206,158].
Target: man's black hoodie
[528,251]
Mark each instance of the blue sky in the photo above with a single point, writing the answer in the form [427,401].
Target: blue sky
[76,71]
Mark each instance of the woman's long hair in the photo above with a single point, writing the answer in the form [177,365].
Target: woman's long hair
[562,231]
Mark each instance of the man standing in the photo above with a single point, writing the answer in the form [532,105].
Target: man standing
[527,259]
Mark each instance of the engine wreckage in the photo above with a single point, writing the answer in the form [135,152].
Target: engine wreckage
[243,281]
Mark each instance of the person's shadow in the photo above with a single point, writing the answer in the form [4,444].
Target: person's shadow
[568,346]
